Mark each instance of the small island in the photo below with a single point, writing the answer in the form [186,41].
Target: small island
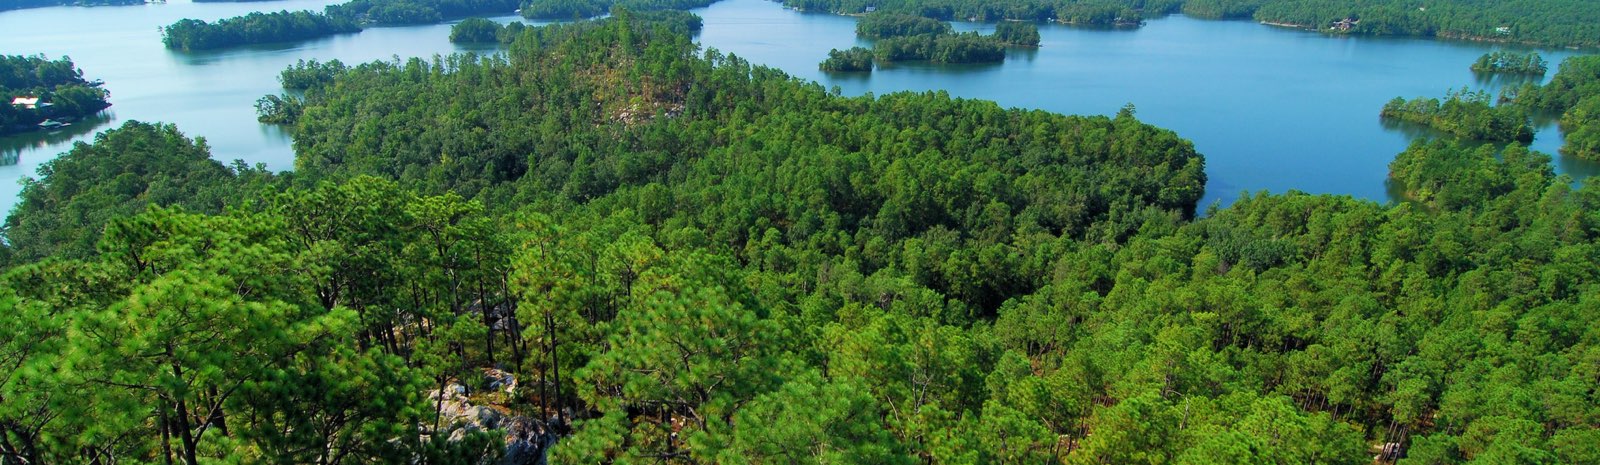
[1503,62]
[901,37]
[1017,34]
[1466,114]
[483,31]
[854,60]
[39,93]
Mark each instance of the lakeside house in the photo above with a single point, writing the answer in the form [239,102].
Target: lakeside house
[26,102]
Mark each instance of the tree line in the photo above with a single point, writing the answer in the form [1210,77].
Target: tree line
[1542,22]
[283,26]
[686,258]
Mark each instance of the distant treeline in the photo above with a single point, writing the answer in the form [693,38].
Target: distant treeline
[1084,12]
[59,86]
[400,12]
[1548,22]
[579,9]
[20,4]
[254,28]
[282,26]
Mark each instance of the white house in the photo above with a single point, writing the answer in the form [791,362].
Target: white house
[25,102]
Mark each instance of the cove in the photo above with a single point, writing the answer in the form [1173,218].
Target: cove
[1271,109]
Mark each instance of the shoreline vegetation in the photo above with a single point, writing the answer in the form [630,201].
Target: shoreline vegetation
[909,38]
[1465,114]
[608,245]
[1561,23]
[1503,62]
[349,17]
[1573,94]
[37,93]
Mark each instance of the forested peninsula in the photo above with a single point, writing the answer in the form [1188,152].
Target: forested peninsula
[609,246]
[39,93]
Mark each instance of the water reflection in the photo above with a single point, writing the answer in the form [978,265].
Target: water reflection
[13,146]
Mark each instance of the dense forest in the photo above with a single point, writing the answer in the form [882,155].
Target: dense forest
[612,247]
[58,86]
[254,28]
[1466,114]
[1503,62]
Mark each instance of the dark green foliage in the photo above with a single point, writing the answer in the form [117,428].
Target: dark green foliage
[254,28]
[1544,22]
[273,109]
[475,30]
[1015,33]
[1581,127]
[1084,12]
[856,59]
[1578,78]
[401,12]
[579,9]
[1503,62]
[479,30]
[58,84]
[1464,114]
[306,75]
[126,169]
[968,47]
[1222,9]
[882,25]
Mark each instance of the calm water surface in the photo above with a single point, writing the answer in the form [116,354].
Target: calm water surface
[1271,109]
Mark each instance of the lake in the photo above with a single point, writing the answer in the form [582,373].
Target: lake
[1270,108]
